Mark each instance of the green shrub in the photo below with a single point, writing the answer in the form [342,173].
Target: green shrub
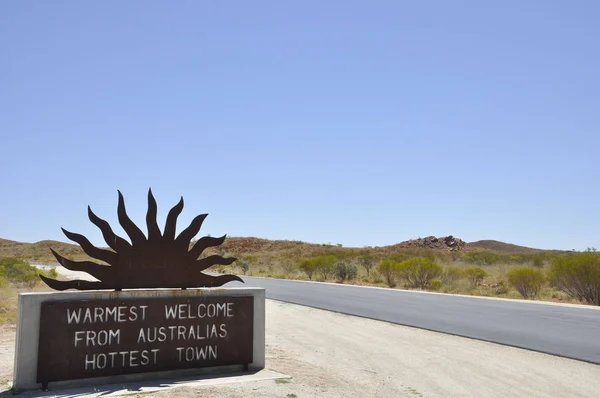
[15,270]
[516,258]
[419,272]
[451,275]
[578,275]
[367,261]
[9,262]
[308,267]
[28,278]
[526,281]
[345,271]
[325,265]
[52,273]
[483,257]
[420,252]
[398,257]
[475,275]
[389,270]
[244,267]
[435,284]
[538,261]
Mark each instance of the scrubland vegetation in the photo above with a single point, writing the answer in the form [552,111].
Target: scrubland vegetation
[572,277]
[16,276]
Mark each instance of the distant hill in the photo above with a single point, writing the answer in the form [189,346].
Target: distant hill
[502,247]
[40,251]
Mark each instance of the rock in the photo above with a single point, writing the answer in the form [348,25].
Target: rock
[446,243]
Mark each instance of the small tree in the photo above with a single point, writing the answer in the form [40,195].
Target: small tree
[475,275]
[419,272]
[526,281]
[325,265]
[389,270]
[578,275]
[367,261]
[345,271]
[288,266]
[308,267]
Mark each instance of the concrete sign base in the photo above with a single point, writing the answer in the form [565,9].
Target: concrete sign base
[105,337]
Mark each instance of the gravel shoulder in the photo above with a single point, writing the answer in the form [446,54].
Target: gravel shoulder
[333,355]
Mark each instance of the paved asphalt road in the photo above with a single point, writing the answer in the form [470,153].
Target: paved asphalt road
[559,330]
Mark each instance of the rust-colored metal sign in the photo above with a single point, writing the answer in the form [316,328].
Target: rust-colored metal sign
[155,261]
[94,338]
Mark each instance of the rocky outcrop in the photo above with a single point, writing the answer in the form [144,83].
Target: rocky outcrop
[446,243]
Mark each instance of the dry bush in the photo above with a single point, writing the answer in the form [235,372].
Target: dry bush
[419,272]
[475,275]
[345,271]
[435,284]
[288,267]
[451,275]
[527,281]
[376,277]
[578,275]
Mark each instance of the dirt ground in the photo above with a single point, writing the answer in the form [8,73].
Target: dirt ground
[334,355]
[7,354]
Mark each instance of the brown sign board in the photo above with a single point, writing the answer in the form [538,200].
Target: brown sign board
[97,338]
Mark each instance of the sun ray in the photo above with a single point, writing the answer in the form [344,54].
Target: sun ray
[220,280]
[74,284]
[171,223]
[100,272]
[115,242]
[215,259]
[185,237]
[135,234]
[204,243]
[153,230]
[101,254]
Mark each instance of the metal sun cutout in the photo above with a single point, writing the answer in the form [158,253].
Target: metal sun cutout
[159,261]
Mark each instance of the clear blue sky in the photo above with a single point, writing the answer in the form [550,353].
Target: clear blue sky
[352,122]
